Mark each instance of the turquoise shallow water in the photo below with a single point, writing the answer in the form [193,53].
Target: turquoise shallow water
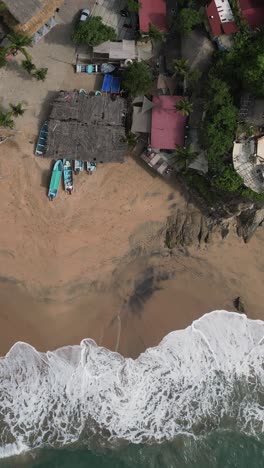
[218,450]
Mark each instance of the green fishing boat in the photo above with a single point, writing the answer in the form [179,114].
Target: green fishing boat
[55,179]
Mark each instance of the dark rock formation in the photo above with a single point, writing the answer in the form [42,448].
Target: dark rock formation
[191,227]
[248,221]
[240,305]
[188,227]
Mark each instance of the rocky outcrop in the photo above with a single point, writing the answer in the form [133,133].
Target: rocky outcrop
[188,227]
[191,227]
[248,221]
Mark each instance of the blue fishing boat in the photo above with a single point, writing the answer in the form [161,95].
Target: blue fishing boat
[68,176]
[42,139]
[55,179]
[90,167]
[78,166]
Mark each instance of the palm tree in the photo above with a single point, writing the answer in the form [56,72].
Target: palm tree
[6,119]
[184,106]
[131,139]
[17,109]
[154,34]
[181,67]
[40,74]
[28,65]
[183,157]
[19,42]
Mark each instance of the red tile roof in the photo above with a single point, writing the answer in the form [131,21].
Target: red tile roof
[216,26]
[153,12]
[168,125]
[253,12]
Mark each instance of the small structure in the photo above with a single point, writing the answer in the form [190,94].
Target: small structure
[168,124]
[222,21]
[141,121]
[153,12]
[248,164]
[32,17]
[118,51]
[200,164]
[252,111]
[87,127]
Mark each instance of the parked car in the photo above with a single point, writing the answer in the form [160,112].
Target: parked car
[85,14]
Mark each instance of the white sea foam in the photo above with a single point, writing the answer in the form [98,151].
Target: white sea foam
[197,379]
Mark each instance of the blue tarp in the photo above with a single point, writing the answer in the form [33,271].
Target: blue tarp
[115,86]
[111,84]
[107,83]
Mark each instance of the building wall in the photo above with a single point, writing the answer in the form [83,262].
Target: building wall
[32,26]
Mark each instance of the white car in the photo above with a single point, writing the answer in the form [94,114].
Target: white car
[85,14]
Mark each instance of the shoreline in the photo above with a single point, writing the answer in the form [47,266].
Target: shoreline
[146,299]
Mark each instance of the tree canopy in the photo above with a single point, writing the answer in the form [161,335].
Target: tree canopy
[220,121]
[137,78]
[187,19]
[93,32]
[133,6]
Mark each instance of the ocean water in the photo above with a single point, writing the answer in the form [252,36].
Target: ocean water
[197,399]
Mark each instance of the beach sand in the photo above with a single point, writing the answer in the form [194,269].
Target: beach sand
[94,264]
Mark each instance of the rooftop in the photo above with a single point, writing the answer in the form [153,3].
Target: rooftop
[118,50]
[168,125]
[23,10]
[221,18]
[247,165]
[87,127]
[153,12]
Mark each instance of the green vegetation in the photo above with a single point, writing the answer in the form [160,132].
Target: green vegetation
[131,139]
[133,6]
[28,65]
[19,42]
[93,32]
[17,109]
[154,34]
[187,20]
[220,122]
[6,118]
[181,67]
[183,157]
[138,79]
[228,180]
[184,106]
[40,74]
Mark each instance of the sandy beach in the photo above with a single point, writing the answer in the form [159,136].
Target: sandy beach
[95,264]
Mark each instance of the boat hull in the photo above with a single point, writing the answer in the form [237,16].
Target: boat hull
[55,179]
[67,176]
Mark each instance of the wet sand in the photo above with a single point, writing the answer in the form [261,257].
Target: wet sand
[146,298]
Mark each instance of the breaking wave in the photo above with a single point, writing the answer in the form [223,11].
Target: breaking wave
[208,376]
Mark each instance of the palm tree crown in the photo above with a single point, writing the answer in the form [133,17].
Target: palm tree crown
[183,157]
[184,106]
[6,119]
[17,109]
[40,74]
[19,42]
[181,67]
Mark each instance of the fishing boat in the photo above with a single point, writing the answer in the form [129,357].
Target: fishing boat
[90,167]
[67,176]
[78,166]
[55,179]
[42,139]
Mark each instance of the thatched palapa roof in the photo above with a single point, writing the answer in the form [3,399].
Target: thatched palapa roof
[85,127]
[23,10]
